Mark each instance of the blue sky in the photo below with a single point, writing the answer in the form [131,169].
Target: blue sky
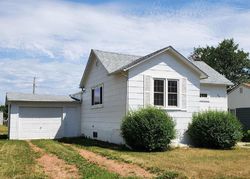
[52,39]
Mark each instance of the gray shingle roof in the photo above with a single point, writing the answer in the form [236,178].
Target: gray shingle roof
[115,62]
[214,76]
[37,98]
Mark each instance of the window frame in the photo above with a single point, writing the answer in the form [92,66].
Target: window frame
[101,86]
[203,97]
[165,97]
[177,93]
[164,92]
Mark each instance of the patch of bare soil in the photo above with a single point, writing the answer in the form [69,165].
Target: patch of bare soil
[54,167]
[123,169]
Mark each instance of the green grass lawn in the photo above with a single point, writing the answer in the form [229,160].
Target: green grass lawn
[191,162]
[3,130]
[68,154]
[17,160]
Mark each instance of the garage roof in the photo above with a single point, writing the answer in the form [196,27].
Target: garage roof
[37,98]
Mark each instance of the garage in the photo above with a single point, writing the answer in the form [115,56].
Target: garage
[40,122]
[42,116]
[243,114]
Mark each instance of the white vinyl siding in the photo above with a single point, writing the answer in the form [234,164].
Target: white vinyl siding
[165,66]
[104,120]
[216,97]
[236,99]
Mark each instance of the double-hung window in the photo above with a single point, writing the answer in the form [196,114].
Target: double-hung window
[166,94]
[97,94]
[159,92]
[172,93]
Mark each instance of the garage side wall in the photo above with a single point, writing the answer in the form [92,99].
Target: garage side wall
[54,120]
[239,98]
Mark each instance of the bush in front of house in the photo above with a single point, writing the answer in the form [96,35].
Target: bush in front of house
[215,129]
[246,136]
[148,129]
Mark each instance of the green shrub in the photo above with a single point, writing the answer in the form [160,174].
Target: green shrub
[215,129]
[246,136]
[148,129]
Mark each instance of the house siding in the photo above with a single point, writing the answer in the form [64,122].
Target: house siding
[105,120]
[217,97]
[239,100]
[166,66]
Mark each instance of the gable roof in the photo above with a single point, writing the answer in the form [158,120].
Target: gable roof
[10,97]
[117,62]
[114,61]
[214,77]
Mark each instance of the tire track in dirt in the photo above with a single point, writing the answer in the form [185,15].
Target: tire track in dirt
[53,166]
[121,168]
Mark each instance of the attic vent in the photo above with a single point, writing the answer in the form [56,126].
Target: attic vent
[95,135]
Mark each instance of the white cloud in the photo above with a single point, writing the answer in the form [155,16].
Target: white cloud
[64,33]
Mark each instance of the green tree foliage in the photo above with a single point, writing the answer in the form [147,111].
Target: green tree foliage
[4,109]
[227,59]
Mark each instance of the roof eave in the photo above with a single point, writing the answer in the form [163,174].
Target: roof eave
[203,75]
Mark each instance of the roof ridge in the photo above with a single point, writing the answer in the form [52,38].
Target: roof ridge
[118,53]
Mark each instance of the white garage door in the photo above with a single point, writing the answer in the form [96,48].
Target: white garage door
[40,123]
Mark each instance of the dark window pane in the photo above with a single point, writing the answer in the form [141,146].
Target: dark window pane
[172,86]
[158,85]
[97,96]
[203,95]
[158,99]
[172,99]
[92,94]
[101,95]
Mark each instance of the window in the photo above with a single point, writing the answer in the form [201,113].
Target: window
[97,95]
[203,95]
[241,90]
[172,93]
[159,91]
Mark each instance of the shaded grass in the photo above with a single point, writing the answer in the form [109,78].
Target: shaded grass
[191,162]
[3,132]
[3,129]
[72,157]
[17,160]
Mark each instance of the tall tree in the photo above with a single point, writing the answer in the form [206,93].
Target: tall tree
[227,59]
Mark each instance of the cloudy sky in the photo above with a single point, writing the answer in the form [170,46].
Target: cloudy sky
[51,40]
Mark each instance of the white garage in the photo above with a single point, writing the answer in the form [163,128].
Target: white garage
[42,116]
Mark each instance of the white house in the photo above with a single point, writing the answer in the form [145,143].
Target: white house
[115,83]
[239,103]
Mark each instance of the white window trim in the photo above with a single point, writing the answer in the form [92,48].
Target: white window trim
[164,92]
[96,106]
[166,106]
[178,94]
